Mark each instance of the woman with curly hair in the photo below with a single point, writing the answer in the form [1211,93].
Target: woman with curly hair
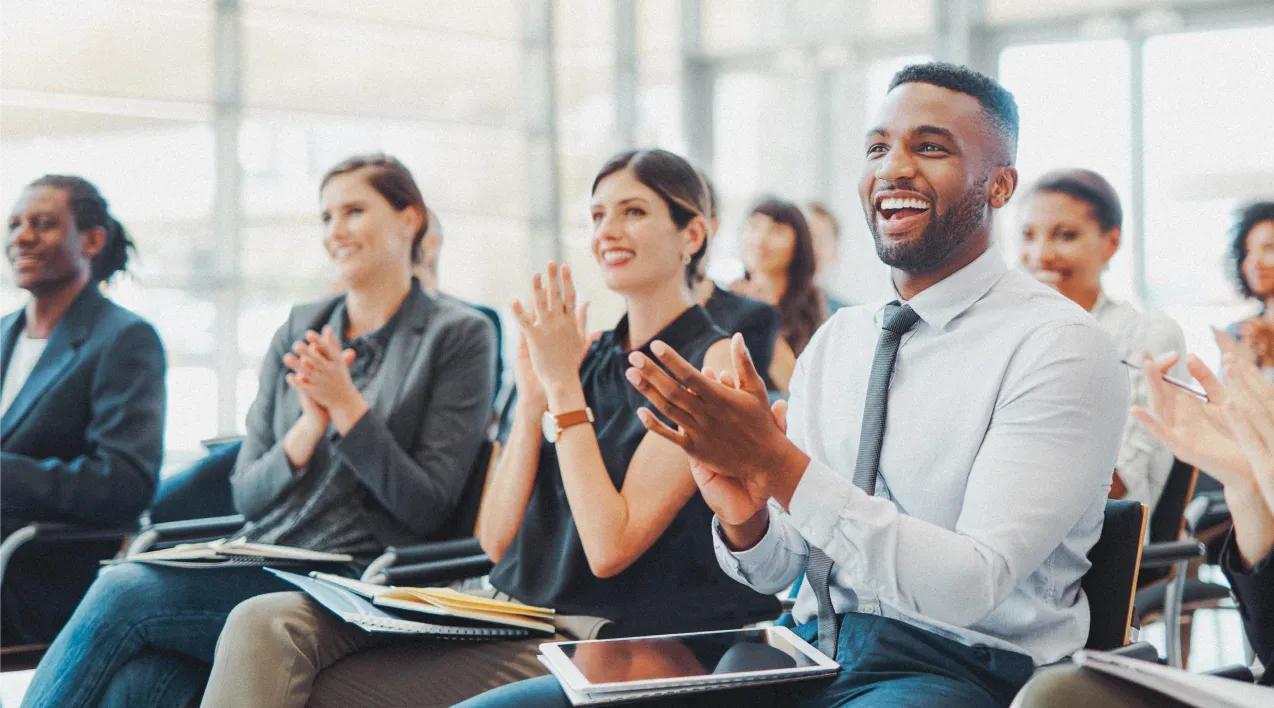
[1252,261]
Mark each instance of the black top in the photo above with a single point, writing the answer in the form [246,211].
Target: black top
[676,585]
[758,322]
[1254,594]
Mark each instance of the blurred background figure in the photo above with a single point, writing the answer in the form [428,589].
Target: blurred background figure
[825,228]
[1252,260]
[778,254]
[758,322]
[1072,225]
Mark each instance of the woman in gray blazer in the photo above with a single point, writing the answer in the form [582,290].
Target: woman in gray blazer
[370,412]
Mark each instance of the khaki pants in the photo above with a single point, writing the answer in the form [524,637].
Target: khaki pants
[1069,686]
[284,650]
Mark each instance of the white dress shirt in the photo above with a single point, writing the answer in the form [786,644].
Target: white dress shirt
[1005,412]
[1143,461]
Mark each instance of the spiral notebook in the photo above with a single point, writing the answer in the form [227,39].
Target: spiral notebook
[359,612]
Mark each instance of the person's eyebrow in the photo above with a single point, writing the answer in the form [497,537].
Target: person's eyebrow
[878,131]
[933,130]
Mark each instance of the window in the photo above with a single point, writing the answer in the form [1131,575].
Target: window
[1201,163]
[1073,101]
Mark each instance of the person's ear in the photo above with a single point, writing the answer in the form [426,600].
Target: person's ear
[695,235]
[1003,185]
[430,249]
[92,241]
[413,219]
[1111,237]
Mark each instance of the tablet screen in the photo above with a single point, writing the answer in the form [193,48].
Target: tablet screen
[684,656]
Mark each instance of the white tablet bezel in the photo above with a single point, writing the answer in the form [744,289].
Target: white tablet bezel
[578,682]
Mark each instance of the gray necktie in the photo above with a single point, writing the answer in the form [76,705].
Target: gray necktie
[898,320]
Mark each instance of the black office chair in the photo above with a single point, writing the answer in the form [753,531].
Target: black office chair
[1111,582]
[218,465]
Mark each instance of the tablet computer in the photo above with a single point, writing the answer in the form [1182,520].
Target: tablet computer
[707,659]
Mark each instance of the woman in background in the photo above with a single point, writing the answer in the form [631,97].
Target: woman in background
[778,254]
[1252,258]
[758,322]
[1071,228]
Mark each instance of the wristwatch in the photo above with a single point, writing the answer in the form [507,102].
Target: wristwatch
[554,424]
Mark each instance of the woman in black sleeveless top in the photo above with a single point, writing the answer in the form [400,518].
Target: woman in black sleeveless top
[607,521]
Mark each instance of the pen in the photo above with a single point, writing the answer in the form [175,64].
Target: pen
[1175,382]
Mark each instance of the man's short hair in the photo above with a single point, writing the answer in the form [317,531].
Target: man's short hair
[997,103]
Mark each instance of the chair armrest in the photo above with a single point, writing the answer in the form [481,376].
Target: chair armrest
[1138,650]
[58,532]
[172,532]
[1160,555]
[436,551]
[438,572]
[1238,672]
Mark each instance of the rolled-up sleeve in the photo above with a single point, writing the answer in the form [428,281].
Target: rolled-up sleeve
[1045,461]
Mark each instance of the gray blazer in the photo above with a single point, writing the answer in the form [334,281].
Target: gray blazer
[414,448]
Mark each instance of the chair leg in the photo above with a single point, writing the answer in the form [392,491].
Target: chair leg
[1172,614]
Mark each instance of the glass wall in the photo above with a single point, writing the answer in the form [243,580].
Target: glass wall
[787,89]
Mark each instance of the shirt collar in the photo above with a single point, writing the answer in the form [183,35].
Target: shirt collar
[942,302]
[1102,302]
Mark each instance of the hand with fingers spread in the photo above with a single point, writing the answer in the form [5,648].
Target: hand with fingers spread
[1249,410]
[1195,430]
[740,453]
[555,330]
[320,372]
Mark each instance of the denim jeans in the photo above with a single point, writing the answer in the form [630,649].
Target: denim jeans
[884,664]
[143,636]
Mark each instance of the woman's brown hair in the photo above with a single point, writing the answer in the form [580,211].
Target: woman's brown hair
[803,306]
[393,181]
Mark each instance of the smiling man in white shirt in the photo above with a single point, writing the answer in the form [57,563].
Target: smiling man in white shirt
[948,507]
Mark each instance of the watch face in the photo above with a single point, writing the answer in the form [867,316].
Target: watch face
[549,423]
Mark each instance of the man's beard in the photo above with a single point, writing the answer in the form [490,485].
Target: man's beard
[945,233]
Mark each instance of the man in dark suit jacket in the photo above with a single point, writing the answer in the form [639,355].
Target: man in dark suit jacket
[83,420]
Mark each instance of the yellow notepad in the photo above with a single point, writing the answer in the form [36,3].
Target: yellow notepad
[449,603]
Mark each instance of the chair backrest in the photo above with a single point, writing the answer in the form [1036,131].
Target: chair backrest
[464,521]
[1111,582]
[1168,520]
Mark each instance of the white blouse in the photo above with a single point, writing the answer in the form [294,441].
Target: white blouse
[1143,461]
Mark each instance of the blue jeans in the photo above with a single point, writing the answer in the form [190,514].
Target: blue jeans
[884,664]
[144,637]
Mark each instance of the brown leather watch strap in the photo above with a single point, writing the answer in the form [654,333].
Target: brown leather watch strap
[573,418]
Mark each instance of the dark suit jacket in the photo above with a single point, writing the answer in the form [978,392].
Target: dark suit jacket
[1254,594]
[414,448]
[84,439]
